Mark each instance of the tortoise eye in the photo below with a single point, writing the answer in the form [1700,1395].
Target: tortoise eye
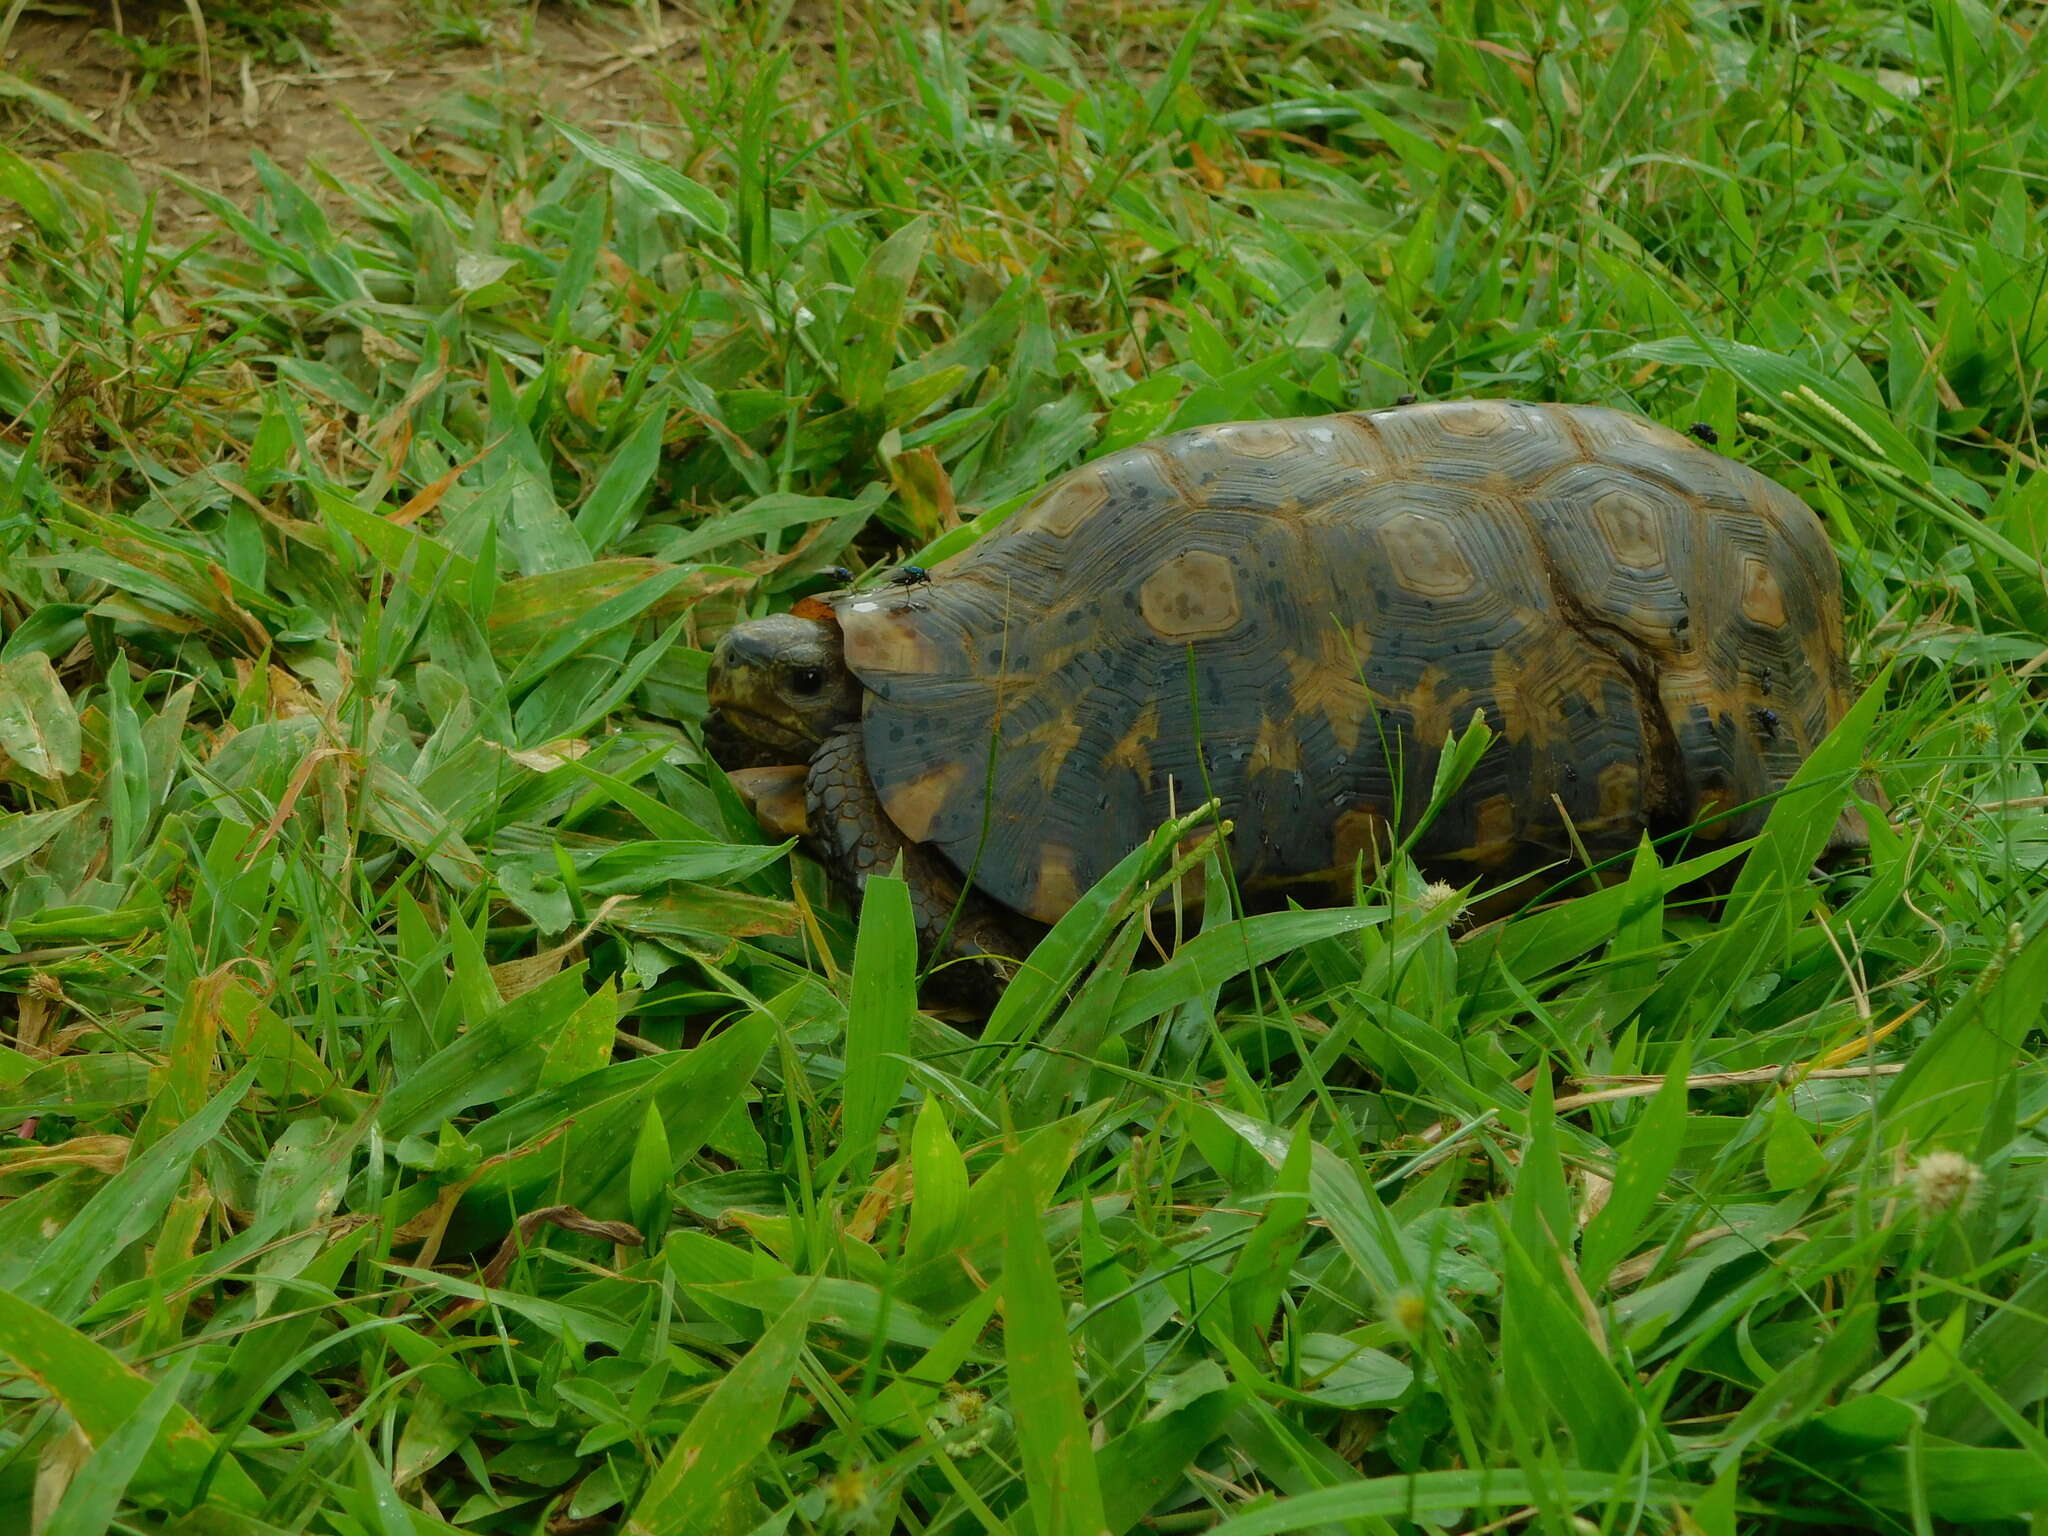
[807,679]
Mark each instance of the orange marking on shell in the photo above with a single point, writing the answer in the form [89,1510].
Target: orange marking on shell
[1360,834]
[1494,835]
[812,608]
[1762,602]
[1278,750]
[1621,793]
[1255,439]
[1435,713]
[1474,418]
[1518,722]
[1630,529]
[1055,740]
[1133,749]
[883,636]
[1056,890]
[915,803]
[1069,503]
[1191,596]
[1424,557]
[1332,684]
[1709,813]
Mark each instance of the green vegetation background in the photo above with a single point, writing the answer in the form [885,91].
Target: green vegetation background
[433,1105]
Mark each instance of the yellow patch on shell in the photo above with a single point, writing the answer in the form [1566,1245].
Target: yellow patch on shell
[1762,602]
[1278,750]
[1054,740]
[1069,504]
[1424,557]
[1494,830]
[1056,889]
[1710,818]
[1255,439]
[1361,834]
[1621,793]
[1518,722]
[1474,418]
[1630,529]
[1133,749]
[1435,713]
[915,803]
[1190,596]
[1331,684]
[882,636]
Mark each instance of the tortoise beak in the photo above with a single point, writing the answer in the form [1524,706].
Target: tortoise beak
[736,656]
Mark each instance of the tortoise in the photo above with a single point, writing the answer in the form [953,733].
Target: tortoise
[1292,616]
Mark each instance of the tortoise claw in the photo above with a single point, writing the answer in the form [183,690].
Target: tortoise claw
[776,797]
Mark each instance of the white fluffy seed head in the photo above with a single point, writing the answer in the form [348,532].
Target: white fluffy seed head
[1944,1182]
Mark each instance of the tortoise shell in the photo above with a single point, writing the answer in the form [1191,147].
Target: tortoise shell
[1292,615]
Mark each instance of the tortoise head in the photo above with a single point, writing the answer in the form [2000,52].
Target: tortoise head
[782,681]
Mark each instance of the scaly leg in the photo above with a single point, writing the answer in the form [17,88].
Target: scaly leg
[858,840]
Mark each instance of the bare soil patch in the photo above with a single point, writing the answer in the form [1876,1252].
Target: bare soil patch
[383,72]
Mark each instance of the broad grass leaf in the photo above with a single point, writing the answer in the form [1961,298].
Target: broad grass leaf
[394,806]
[1149,1460]
[1642,1173]
[851,1309]
[1216,955]
[1535,944]
[1045,1400]
[1264,1267]
[647,1175]
[612,502]
[102,1393]
[1540,1210]
[1791,1160]
[38,722]
[585,1043]
[419,560]
[23,833]
[1547,1355]
[1946,1089]
[1772,893]
[90,1503]
[938,1201]
[1027,1002]
[499,1055]
[1342,1373]
[1812,397]
[1357,1218]
[726,1439]
[581,604]
[1970,1486]
[2008,1355]
[127,1208]
[590,1167]
[663,186]
[1458,1495]
[867,339]
[877,1022]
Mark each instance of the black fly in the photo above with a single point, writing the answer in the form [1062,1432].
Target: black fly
[1704,433]
[910,576]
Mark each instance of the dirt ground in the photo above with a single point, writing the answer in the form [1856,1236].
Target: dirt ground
[383,64]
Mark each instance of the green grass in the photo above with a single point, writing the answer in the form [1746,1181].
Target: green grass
[434,1105]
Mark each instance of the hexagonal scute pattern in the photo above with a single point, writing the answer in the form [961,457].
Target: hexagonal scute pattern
[1290,617]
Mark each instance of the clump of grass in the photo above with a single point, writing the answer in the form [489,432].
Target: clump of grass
[434,1106]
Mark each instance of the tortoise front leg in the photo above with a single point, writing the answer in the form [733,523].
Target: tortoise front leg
[858,840]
